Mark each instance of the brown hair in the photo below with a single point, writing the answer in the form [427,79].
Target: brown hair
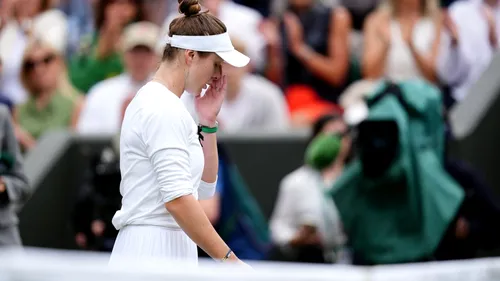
[193,23]
[100,11]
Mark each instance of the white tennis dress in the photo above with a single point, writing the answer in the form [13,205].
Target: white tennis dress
[161,159]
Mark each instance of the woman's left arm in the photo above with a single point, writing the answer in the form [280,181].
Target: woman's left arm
[211,154]
[334,67]
[208,108]
[208,183]
[427,62]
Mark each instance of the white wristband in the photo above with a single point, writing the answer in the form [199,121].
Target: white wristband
[206,190]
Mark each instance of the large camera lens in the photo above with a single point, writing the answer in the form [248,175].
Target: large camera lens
[378,145]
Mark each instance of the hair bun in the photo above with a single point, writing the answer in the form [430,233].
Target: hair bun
[189,7]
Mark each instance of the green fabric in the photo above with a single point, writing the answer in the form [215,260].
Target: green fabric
[322,151]
[246,205]
[86,69]
[401,216]
[57,114]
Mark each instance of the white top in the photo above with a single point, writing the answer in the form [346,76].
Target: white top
[400,63]
[260,105]
[101,113]
[161,158]
[301,201]
[12,46]
[462,66]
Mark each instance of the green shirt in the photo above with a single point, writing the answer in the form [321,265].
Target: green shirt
[56,115]
[86,70]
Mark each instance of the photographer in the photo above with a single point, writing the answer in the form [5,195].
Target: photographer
[14,188]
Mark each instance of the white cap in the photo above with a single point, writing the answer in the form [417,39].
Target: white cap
[219,44]
[234,58]
[51,27]
[140,34]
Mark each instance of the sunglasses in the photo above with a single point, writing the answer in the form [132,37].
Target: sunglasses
[30,65]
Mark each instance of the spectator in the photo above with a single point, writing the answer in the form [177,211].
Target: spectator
[80,22]
[14,188]
[467,48]
[278,7]
[252,102]
[241,22]
[304,226]
[260,5]
[359,10]
[22,19]
[100,58]
[103,108]
[158,11]
[402,40]
[53,103]
[447,3]
[312,52]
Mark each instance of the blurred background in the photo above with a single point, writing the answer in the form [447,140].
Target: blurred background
[363,131]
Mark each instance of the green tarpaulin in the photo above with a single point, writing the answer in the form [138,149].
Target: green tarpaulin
[401,215]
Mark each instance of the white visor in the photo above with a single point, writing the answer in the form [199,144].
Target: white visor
[219,44]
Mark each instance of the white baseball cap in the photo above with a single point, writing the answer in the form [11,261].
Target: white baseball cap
[140,34]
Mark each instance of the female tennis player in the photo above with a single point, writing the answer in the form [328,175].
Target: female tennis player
[167,161]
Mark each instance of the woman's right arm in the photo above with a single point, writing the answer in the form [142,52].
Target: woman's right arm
[190,216]
[376,46]
[165,135]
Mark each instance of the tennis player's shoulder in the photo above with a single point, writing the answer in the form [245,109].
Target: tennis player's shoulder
[159,101]
[157,93]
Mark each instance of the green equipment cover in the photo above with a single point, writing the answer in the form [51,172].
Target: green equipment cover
[395,199]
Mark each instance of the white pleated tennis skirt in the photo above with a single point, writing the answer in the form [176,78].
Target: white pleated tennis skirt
[142,243]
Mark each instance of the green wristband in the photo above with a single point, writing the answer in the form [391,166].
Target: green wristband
[210,130]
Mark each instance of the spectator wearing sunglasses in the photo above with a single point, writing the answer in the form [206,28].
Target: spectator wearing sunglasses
[21,20]
[53,103]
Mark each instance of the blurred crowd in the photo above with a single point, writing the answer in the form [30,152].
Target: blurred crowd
[76,64]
